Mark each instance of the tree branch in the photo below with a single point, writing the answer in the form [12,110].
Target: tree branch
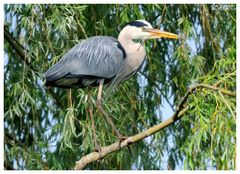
[181,109]
[22,52]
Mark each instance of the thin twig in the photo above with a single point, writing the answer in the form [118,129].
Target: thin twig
[228,106]
[163,13]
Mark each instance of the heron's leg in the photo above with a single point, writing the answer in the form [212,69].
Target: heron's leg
[70,104]
[97,147]
[100,107]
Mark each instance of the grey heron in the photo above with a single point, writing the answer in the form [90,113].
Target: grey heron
[103,60]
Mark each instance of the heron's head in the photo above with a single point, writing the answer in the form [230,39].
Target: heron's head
[142,29]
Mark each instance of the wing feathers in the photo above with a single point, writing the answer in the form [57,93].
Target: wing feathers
[99,56]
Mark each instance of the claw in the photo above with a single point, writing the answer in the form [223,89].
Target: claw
[98,150]
[122,138]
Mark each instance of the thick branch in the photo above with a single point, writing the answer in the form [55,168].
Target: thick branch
[94,156]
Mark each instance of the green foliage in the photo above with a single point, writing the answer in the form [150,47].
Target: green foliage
[213,117]
[42,131]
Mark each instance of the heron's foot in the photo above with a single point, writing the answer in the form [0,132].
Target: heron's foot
[122,138]
[98,149]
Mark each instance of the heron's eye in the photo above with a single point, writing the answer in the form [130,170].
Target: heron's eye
[144,29]
[138,41]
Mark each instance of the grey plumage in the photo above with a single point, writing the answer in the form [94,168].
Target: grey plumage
[82,65]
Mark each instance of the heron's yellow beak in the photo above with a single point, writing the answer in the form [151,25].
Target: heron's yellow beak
[155,33]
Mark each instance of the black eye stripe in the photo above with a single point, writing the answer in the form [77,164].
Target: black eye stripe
[136,24]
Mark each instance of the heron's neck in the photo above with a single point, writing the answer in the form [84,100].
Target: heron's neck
[135,52]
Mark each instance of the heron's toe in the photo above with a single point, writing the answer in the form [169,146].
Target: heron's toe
[122,138]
